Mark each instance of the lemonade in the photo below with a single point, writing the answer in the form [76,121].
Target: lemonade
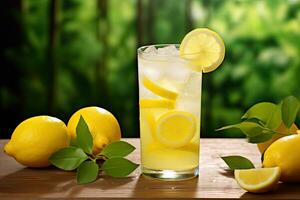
[170,96]
[170,78]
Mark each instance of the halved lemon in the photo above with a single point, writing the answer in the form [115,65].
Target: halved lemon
[157,103]
[175,128]
[258,180]
[204,48]
[159,90]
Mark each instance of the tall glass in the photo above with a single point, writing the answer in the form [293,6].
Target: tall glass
[170,107]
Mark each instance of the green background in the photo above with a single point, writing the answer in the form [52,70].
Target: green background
[59,56]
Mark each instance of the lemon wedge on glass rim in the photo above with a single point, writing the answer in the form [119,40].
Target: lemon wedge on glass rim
[203,48]
[258,180]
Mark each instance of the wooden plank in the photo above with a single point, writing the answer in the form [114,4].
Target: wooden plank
[18,182]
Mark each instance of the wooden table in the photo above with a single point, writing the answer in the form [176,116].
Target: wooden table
[18,182]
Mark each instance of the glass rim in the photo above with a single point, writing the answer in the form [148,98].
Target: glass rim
[159,57]
[141,49]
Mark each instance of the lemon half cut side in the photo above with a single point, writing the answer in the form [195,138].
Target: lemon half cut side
[203,48]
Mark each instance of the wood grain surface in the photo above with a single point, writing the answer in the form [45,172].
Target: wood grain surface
[214,182]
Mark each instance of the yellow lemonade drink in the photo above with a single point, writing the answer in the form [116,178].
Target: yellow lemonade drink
[170,79]
[170,106]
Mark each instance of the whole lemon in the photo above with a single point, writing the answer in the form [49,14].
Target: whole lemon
[103,126]
[284,153]
[281,129]
[36,139]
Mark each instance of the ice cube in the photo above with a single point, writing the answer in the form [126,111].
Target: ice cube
[168,50]
[150,72]
[190,95]
[150,53]
[176,70]
[150,50]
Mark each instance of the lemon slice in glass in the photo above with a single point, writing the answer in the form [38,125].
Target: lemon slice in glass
[159,90]
[203,48]
[148,122]
[258,180]
[157,103]
[175,128]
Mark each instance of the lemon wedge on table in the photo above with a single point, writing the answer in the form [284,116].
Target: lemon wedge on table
[203,48]
[159,90]
[175,128]
[258,180]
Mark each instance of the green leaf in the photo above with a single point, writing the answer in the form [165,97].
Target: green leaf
[289,110]
[84,137]
[117,149]
[267,112]
[275,119]
[249,128]
[238,162]
[260,111]
[228,127]
[73,142]
[119,167]
[261,138]
[87,172]
[68,158]
[255,120]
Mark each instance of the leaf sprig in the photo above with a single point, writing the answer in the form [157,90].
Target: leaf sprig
[261,121]
[79,156]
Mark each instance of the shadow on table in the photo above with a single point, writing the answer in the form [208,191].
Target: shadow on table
[284,190]
[227,173]
[151,188]
[40,181]
[49,182]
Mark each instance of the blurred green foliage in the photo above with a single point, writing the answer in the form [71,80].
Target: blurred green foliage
[76,53]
